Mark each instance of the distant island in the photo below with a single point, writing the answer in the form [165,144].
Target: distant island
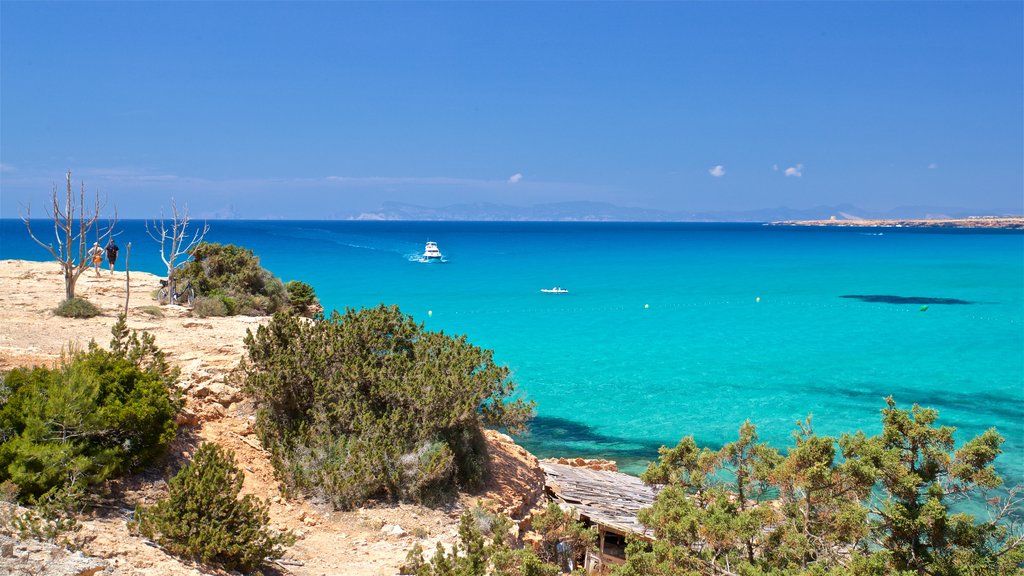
[1003,222]
[607,212]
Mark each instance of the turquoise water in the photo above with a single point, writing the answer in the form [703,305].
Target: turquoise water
[662,335]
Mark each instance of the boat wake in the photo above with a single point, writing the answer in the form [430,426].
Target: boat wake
[423,260]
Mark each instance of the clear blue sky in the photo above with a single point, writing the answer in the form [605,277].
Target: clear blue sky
[315,109]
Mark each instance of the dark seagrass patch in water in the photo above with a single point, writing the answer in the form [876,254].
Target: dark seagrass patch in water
[890,299]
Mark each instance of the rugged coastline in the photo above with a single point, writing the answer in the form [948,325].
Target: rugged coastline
[371,540]
[994,222]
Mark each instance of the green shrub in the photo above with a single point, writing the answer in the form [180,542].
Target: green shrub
[483,549]
[153,311]
[77,308]
[8,492]
[95,415]
[230,302]
[206,306]
[368,404]
[556,526]
[233,275]
[54,518]
[856,505]
[203,519]
[300,293]
[303,298]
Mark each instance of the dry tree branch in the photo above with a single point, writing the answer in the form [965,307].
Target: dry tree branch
[174,238]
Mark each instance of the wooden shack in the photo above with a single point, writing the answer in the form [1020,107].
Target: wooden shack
[606,500]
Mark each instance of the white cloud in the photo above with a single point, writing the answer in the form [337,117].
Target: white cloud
[402,181]
[717,171]
[797,170]
[126,174]
[933,166]
[515,178]
[6,167]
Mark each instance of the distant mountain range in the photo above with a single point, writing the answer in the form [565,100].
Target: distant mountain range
[605,212]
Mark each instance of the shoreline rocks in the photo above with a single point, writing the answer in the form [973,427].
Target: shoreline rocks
[588,463]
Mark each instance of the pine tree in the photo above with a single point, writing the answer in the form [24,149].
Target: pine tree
[919,472]
[370,405]
[95,415]
[203,518]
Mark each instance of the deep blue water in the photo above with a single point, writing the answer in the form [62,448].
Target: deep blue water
[662,334]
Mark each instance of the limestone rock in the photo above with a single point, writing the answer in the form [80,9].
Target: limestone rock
[589,463]
[219,392]
[18,557]
[394,530]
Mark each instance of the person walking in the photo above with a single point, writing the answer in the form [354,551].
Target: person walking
[96,253]
[111,250]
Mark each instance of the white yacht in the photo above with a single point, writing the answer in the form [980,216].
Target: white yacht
[430,252]
[555,290]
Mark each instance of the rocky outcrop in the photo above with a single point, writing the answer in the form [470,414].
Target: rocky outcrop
[32,557]
[589,463]
[517,481]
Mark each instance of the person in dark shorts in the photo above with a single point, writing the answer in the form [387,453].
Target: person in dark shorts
[111,253]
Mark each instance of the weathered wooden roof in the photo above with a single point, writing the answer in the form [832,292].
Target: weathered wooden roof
[610,499]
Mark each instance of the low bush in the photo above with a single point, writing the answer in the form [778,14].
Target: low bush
[153,311]
[203,518]
[563,540]
[483,549]
[206,306]
[369,405]
[54,518]
[95,415]
[77,308]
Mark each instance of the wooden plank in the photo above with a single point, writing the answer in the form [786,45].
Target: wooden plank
[610,499]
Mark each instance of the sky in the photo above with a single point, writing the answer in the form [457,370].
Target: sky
[326,109]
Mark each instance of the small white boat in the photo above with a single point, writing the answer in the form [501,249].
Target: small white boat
[555,290]
[430,252]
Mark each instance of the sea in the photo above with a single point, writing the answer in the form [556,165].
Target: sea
[683,329]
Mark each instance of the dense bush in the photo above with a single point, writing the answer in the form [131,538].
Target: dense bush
[854,506]
[96,414]
[233,275]
[368,404]
[77,308]
[203,519]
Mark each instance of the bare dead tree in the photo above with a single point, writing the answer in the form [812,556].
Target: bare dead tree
[71,226]
[174,238]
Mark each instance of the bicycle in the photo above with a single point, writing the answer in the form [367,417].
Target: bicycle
[171,294]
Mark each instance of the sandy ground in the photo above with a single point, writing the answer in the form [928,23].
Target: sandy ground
[368,541]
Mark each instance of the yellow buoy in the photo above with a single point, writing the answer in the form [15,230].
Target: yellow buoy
[430,312]
[646,306]
[758,299]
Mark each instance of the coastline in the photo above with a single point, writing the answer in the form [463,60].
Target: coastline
[986,222]
[370,540]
